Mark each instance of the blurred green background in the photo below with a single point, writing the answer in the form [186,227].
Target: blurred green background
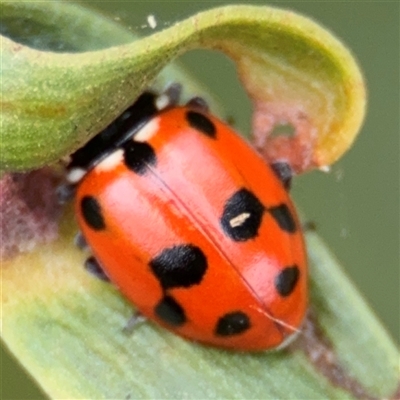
[356,206]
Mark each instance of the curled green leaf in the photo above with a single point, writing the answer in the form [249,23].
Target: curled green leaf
[293,70]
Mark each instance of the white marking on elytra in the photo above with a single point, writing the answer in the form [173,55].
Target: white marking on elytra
[162,101]
[75,175]
[151,20]
[239,219]
[111,161]
[147,131]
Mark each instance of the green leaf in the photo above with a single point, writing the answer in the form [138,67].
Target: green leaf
[293,70]
[67,329]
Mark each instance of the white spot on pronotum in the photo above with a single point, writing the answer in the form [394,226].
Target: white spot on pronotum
[325,168]
[111,161]
[162,101]
[151,20]
[148,131]
[239,220]
[75,175]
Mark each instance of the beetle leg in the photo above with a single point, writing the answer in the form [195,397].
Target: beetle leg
[170,97]
[93,267]
[80,242]
[198,103]
[136,319]
[284,172]
[65,193]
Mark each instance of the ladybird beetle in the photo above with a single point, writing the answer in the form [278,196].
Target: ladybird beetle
[192,225]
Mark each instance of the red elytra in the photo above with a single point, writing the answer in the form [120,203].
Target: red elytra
[196,230]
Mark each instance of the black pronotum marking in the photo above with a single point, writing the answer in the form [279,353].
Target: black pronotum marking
[117,132]
[242,202]
[200,122]
[93,267]
[92,213]
[287,279]
[232,323]
[283,217]
[138,156]
[179,266]
[170,311]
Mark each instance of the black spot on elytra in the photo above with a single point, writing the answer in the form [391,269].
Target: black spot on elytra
[287,279]
[242,202]
[232,323]
[200,122]
[92,213]
[179,266]
[170,311]
[283,217]
[138,156]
